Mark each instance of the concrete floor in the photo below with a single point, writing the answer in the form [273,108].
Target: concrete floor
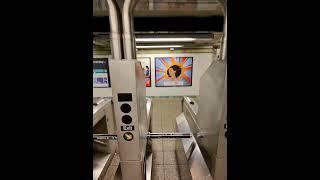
[168,160]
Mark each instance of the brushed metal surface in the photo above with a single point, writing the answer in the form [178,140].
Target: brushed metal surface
[101,162]
[212,98]
[100,110]
[198,167]
[132,153]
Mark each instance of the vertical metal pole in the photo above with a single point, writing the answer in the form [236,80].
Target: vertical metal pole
[115,29]
[129,43]
[224,47]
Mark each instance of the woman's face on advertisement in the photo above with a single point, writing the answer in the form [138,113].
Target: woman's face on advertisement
[172,72]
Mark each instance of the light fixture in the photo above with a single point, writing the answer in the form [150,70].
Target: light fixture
[163,46]
[165,39]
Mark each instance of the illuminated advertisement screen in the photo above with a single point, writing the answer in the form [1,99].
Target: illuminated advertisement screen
[101,75]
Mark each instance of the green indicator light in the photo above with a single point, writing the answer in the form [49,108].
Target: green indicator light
[128,136]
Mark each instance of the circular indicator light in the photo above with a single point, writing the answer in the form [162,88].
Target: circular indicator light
[126,119]
[125,108]
[128,136]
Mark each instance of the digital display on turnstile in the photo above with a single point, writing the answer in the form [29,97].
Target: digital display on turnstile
[124,97]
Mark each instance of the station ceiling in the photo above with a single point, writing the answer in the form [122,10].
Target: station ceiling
[161,8]
[202,40]
[202,19]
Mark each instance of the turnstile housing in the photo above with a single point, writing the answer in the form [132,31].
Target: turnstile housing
[128,89]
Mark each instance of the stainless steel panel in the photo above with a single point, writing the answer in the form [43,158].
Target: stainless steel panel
[192,105]
[100,110]
[101,162]
[198,167]
[125,83]
[129,78]
[212,111]
[148,165]
[97,100]
[132,170]
[144,122]
[103,151]
[191,111]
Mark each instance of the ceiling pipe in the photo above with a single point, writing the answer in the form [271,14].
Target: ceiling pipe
[115,29]
[223,51]
[224,45]
[223,4]
[129,43]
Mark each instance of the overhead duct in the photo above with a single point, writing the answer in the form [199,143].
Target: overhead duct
[115,29]
[129,43]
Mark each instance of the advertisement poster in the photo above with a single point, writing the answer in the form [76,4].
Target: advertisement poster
[173,71]
[101,76]
[146,66]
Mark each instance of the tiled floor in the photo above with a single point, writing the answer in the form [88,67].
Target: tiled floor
[169,160]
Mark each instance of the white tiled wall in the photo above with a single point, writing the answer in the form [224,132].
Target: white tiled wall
[201,62]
